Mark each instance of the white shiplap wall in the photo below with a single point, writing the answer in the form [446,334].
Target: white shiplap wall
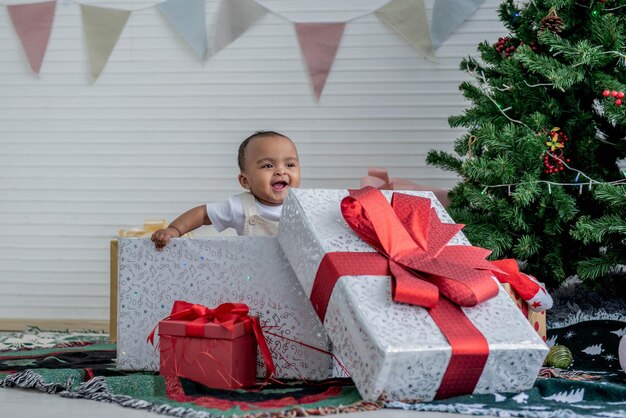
[158,132]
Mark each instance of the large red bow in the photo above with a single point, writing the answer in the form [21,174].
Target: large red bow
[411,244]
[409,233]
[226,315]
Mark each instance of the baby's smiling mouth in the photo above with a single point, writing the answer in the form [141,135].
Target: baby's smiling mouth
[279,185]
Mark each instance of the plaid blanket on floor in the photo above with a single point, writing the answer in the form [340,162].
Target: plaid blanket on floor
[594,386]
[86,369]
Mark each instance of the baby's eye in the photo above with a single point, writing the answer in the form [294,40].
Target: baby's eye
[291,165]
[268,165]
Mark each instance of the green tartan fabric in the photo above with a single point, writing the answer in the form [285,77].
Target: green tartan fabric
[88,371]
[594,386]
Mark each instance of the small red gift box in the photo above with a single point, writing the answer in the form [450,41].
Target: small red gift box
[214,347]
[223,359]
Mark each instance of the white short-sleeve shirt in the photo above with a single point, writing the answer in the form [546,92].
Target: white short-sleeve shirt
[229,214]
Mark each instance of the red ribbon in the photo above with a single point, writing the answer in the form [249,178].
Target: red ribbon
[411,248]
[225,315]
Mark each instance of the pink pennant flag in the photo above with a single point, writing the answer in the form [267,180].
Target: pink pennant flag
[319,43]
[33,24]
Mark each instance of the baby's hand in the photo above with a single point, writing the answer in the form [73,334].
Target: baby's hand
[163,236]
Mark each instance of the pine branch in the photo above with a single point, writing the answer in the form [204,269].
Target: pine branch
[561,75]
[615,196]
[527,246]
[444,161]
[582,52]
[559,4]
[596,230]
[597,267]
[489,170]
[608,33]
[553,261]
[526,193]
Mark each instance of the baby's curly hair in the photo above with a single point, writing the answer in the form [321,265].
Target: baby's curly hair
[258,134]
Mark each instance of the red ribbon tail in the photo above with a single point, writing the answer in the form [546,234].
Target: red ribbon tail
[408,288]
[270,368]
[150,338]
[470,350]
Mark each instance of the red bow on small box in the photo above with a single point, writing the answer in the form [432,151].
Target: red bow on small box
[225,315]
[411,244]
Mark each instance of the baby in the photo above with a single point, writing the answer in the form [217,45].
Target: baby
[269,166]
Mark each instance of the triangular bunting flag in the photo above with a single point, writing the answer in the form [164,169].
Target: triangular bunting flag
[319,43]
[448,15]
[102,28]
[189,19]
[233,19]
[33,24]
[408,18]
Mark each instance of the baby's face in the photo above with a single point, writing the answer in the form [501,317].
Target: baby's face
[271,167]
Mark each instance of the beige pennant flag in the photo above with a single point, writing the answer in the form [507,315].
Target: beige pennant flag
[233,19]
[408,18]
[102,28]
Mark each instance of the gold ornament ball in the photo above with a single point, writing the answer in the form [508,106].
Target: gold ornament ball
[559,356]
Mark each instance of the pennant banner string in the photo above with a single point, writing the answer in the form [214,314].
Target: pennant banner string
[359,15]
[319,40]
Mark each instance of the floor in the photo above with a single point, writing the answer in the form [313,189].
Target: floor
[25,403]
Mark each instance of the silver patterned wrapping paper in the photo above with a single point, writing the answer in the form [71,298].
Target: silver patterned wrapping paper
[395,351]
[211,271]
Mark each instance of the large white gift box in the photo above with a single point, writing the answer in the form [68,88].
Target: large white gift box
[396,351]
[212,271]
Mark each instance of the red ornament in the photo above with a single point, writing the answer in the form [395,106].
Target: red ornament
[618,102]
[507,46]
[613,93]
[620,95]
[606,93]
[554,156]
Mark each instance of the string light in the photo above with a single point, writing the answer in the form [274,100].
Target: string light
[553,183]
[484,86]
[615,8]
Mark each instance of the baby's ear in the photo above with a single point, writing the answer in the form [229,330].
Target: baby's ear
[243,180]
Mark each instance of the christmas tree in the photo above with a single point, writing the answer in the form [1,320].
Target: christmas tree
[546,133]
